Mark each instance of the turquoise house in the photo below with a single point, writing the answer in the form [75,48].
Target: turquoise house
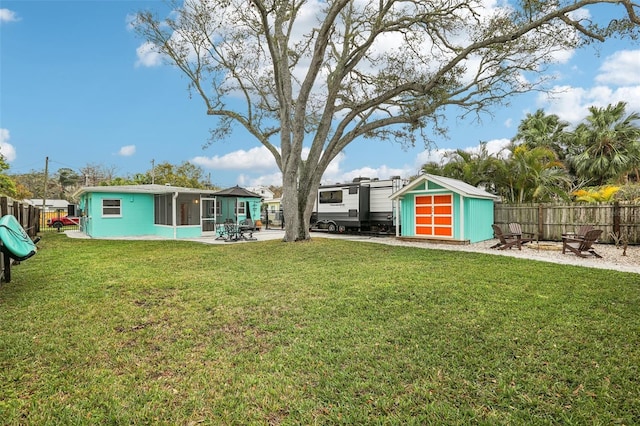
[146,210]
[440,208]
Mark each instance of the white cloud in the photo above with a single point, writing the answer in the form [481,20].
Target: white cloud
[127,151]
[259,158]
[131,20]
[148,55]
[566,102]
[335,173]
[431,156]
[617,81]
[620,69]
[572,103]
[494,147]
[7,15]
[382,172]
[249,160]
[274,179]
[7,150]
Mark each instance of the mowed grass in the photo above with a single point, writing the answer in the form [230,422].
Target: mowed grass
[319,332]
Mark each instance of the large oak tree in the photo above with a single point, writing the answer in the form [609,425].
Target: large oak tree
[308,77]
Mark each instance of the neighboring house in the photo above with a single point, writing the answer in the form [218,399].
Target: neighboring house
[140,210]
[272,209]
[436,207]
[52,208]
[49,205]
[272,205]
[262,191]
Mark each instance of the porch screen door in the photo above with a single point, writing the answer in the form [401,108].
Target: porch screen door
[208,214]
[434,215]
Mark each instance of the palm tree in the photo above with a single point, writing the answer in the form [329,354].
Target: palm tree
[476,168]
[610,144]
[533,175]
[433,168]
[541,130]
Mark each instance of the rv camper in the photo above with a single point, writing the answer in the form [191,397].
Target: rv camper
[360,206]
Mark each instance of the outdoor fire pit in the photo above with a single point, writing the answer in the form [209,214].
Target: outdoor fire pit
[550,246]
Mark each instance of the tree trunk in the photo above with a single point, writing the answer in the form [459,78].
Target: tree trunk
[296,212]
[298,200]
[290,205]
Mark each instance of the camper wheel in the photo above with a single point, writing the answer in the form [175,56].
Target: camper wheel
[332,227]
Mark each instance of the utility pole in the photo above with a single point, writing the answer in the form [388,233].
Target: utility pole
[44,191]
[153,171]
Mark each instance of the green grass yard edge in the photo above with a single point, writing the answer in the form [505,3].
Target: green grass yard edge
[320,332]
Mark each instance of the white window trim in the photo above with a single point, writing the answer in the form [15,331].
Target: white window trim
[102,207]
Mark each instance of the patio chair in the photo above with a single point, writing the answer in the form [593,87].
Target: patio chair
[582,246]
[231,231]
[221,232]
[507,241]
[516,229]
[581,231]
[246,226]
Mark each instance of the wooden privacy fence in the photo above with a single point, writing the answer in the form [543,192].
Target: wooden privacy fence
[29,218]
[549,221]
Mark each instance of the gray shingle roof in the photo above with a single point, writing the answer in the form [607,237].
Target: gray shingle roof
[236,191]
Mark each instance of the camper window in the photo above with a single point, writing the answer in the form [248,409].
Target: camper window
[330,197]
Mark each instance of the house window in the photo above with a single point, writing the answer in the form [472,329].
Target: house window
[111,207]
[240,209]
[163,209]
[218,208]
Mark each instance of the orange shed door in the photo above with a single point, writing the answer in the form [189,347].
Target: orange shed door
[434,215]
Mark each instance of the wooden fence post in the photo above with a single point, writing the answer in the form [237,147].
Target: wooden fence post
[616,218]
[32,224]
[4,206]
[540,222]
[5,260]
[18,212]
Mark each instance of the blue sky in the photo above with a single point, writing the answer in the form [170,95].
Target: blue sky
[76,87]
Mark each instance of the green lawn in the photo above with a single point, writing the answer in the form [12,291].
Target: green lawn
[320,332]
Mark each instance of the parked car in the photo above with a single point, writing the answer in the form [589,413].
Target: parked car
[59,222]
